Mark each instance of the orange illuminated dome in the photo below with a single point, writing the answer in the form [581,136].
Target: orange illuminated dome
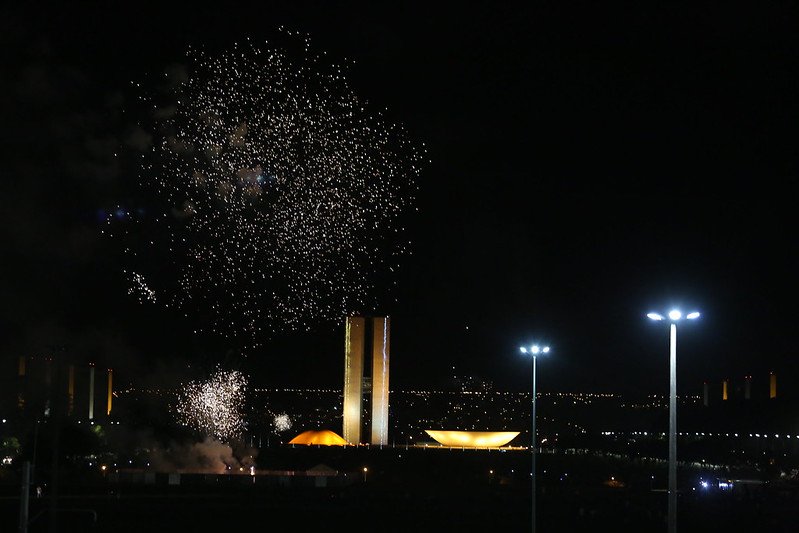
[472,439]
[324,437]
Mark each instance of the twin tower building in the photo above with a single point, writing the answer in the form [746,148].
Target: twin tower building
[366,356]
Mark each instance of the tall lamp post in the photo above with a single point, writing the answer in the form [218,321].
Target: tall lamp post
[674,316]
[534,350]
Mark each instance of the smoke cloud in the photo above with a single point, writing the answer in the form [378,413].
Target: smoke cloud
[210,456]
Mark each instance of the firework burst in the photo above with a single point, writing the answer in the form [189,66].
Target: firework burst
[213,406]
[282,422]
[283,195]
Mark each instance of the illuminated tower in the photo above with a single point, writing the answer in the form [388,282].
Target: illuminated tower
[110,391]
[380,352]
[366,379]
[91,391]
[353,374]
[772,385]
[724,389]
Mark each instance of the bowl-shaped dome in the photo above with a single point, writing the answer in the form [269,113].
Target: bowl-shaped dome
[472,439]
[324,437]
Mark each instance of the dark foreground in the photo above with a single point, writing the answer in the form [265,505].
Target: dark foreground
[415,491]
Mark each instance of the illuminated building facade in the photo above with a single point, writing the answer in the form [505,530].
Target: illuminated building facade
[472,439]
[324,437]
[110,391]
[366,365]
[91,391]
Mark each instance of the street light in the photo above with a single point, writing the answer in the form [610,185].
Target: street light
[674,316]
[534,350]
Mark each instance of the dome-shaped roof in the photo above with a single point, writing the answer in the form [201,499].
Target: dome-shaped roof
[324,437]
[472,439]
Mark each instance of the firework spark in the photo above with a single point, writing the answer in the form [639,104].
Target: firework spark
[283,195]
[139,289]
[214,406]
[282,422]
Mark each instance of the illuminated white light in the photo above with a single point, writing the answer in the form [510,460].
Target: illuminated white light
[536,349]
[693,315]
[546,349]
[655,316]
[523,349]
[704,484]
[675,315]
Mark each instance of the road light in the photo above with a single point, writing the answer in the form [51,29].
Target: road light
[674,316]
[534,350]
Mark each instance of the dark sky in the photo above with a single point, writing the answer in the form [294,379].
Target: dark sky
[587,165]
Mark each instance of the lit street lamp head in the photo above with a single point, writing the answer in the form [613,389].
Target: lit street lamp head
[535,349]
[674,315]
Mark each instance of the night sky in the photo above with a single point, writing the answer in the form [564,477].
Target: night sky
[587,165]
